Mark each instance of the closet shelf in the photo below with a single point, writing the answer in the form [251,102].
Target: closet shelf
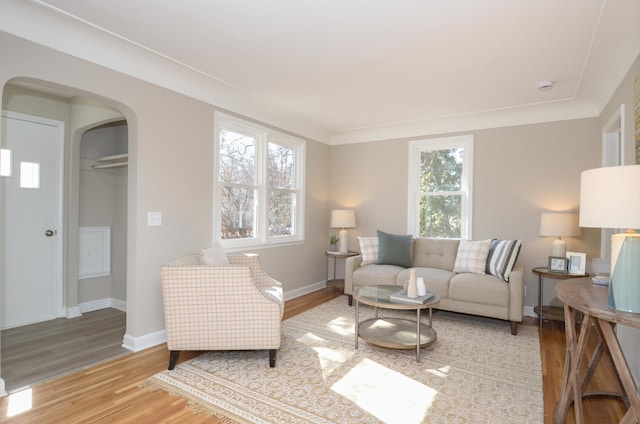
[116,161]
[112,157]
[110,165]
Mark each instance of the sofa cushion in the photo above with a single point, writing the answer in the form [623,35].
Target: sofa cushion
[214,255]
[502,256]
[480,289]
[472,256]
[369,275]
[436,280]
[435,253]
[394,249]
[368,250]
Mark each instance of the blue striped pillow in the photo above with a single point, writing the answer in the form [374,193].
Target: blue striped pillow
[502,256]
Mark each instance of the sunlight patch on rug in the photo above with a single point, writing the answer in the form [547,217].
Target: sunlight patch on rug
[372,387]
[476,372]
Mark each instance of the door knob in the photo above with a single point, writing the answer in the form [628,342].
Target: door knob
[49,233]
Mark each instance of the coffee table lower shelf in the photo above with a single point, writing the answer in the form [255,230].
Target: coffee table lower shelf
[395,333]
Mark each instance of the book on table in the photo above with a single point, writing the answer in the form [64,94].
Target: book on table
[401,296]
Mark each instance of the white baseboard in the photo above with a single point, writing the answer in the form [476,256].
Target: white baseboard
[96,305]
[72,312]
[292,294]
[528,312]
[137,344]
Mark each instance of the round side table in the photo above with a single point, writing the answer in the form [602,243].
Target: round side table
[555,313]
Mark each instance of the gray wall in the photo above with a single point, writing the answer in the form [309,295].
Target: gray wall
[170,170]
[629,337]
[519,172]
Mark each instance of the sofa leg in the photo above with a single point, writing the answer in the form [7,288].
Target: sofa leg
[173,358]
[350,300]
[514,328]
[272,357]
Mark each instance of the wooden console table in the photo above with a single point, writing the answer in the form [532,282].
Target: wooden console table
[591,300]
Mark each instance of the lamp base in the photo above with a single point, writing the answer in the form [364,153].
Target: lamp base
[343,245]
[624,288]
[559,248]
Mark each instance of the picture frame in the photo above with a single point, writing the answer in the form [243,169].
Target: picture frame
[577,263]
[558,264]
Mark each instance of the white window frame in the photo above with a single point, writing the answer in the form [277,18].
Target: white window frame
[415,149]
[263,136]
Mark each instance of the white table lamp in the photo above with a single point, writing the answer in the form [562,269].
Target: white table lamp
[343,219]
[558,224]
[610,198]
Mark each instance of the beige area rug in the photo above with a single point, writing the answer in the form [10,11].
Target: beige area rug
[476,372]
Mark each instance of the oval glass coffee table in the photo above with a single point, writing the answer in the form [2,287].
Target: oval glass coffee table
[395,333]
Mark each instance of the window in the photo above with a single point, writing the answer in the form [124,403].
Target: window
[440,192]
[5,163]
[29,175]
[259,197]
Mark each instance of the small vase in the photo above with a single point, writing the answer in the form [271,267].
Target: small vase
[412,290]
[422,288]
[333,248]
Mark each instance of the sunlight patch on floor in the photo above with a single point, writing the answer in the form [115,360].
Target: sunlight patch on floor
[386,394]
[341,326]
[440,372]
[19,402]
[330,359]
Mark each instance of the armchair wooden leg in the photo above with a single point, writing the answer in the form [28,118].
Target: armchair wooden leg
[272,357]
[350,300]
[514,328]
[173,358]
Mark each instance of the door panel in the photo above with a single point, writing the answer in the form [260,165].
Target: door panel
[31,230]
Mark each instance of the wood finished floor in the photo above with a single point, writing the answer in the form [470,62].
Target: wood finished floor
[39,352]
[111,392]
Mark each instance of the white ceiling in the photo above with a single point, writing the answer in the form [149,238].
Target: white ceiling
[374,69]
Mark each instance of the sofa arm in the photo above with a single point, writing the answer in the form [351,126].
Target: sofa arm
[352,263]
[516,293]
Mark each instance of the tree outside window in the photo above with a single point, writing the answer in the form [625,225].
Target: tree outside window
[440,187]
[259,184]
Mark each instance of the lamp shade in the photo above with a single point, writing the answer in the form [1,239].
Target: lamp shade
[559,224]
[610,197]
[343,218]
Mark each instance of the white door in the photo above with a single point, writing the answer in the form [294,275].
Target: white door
[31,230]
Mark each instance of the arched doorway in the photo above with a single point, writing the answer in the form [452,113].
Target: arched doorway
[93,130]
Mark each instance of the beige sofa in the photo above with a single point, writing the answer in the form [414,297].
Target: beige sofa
[481,294]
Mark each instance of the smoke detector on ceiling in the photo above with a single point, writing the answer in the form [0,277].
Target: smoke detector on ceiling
[545,85]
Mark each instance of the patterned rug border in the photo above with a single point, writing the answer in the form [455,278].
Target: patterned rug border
[195,399]
[199,401]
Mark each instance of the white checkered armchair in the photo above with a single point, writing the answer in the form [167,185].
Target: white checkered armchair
[221,307]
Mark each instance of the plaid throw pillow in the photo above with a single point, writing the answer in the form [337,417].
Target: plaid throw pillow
[472,256]
[368,250]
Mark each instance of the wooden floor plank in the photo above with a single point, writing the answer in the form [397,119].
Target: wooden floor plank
[111,392]
[38,352]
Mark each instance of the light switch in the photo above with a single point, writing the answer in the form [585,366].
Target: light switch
[154,219]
